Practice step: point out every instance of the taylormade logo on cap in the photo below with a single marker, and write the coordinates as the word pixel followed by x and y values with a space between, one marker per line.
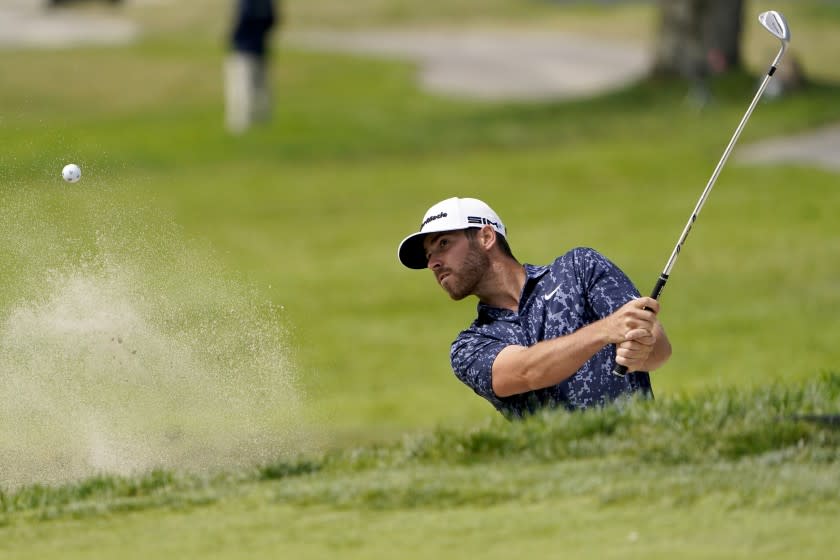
pixel 435 217
pixel 447 215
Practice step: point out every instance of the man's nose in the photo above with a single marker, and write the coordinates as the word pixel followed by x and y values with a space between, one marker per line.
pixel 434 262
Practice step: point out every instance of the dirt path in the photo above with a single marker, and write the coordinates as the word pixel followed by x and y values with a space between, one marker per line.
pixel 818 148
pixel 29 24
pixel 495 65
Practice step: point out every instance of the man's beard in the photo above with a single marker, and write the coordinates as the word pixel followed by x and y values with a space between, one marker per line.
pixel 464 282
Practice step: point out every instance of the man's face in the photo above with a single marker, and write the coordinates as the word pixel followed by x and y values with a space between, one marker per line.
pixel 457 262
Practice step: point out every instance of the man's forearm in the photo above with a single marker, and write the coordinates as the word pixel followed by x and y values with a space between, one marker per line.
pixel 519 369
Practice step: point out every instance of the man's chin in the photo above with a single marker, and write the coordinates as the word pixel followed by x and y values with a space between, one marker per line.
pixel 455 289
pixel 456 296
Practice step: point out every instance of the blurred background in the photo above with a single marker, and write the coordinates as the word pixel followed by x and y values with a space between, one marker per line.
pixel 232 242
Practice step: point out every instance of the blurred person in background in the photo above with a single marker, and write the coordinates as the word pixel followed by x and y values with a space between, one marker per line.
pixel 247 93
pixel 545 336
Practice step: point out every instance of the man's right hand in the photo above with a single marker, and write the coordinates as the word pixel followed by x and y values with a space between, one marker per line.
pixel 635 315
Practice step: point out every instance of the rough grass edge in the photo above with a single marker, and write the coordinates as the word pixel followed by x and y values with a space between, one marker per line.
pixel 793 424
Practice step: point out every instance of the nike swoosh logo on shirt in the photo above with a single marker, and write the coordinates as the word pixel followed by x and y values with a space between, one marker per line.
pixel 550 294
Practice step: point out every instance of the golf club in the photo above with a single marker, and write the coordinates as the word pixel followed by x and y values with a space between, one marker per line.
pixel 775 23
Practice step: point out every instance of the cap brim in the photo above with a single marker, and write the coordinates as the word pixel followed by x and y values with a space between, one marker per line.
pixel 411 252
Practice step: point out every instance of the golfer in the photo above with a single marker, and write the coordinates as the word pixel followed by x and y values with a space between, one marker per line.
pixel 545 336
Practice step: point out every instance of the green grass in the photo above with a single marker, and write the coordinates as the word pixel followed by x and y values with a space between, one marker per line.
pixel 718 458
pixel 267 263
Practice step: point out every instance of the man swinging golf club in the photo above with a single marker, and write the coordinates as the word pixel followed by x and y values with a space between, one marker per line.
pixel 545 336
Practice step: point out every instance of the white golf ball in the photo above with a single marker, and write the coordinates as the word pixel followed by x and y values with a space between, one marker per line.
pixel 71 173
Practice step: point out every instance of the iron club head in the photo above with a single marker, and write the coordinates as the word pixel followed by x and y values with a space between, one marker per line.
pixel 775 23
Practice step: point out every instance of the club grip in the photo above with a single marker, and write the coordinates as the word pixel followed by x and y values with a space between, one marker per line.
pixel 619 370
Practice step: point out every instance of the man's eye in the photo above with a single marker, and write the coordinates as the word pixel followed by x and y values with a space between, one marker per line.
pixel 443 243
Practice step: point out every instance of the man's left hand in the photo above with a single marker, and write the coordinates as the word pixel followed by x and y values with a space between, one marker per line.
pixel 635 350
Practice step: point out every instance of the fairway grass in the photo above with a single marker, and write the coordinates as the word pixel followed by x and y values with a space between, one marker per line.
pixel 255 526
pixel 308 213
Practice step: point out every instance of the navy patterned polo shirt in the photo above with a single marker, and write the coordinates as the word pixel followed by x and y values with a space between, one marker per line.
pixel 579 288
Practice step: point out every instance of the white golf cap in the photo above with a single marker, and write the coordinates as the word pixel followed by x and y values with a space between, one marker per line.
pixel 447 215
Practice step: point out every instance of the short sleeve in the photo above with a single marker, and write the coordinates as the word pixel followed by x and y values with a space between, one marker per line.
pixel 607 288
pixel 472 356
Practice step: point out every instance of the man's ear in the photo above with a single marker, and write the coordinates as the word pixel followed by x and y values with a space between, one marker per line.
pixel 487 237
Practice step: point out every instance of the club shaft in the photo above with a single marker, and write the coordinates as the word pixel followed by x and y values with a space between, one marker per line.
pixel 620 370
pixel 673 258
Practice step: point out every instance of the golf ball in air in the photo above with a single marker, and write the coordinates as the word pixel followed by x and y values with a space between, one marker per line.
pixel 71 173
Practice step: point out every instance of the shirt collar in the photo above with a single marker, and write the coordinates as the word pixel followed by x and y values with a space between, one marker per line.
pixel 532 274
